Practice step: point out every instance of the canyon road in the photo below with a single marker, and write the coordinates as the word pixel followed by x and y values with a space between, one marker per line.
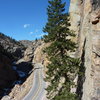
pixel 37 91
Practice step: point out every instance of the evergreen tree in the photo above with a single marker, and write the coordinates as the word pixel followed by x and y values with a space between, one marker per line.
pixel 61 64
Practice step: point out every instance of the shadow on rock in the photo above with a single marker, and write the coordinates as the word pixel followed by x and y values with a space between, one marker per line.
pixel 23 70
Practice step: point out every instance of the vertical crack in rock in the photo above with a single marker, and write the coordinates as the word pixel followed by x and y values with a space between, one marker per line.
pixel 88 31
pixel 81 74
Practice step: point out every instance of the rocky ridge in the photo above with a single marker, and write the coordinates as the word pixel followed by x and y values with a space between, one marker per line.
pixel 15 48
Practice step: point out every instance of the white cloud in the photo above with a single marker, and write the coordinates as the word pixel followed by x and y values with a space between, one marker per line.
pixel 26 25
pixel 31 33
pixel 36 30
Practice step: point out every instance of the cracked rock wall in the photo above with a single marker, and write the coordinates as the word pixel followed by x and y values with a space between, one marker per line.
pixel 85 21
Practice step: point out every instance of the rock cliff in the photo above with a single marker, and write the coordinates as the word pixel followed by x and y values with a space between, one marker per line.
pixel 85 21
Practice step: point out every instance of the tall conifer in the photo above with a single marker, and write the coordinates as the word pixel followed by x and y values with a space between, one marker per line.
pixel 61 63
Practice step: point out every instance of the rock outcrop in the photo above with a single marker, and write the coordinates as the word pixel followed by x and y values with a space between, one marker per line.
pixel 29 54
pixel 85 21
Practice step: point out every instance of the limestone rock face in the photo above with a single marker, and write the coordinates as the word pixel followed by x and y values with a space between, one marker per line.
pixel 87 14
pixel 75 15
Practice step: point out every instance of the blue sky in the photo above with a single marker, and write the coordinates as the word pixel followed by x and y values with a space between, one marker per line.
pixel 24 19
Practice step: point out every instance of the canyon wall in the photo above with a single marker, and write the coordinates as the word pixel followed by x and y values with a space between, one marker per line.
pixel 85 21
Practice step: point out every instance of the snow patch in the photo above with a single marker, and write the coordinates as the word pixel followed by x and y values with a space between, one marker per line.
pixel 14 68
pixel 21 74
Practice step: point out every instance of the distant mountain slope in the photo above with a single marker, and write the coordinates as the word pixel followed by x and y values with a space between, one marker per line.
pixel 26 43
pixel 12 46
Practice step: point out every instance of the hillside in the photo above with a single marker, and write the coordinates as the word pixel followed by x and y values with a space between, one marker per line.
pixel 10 51
pixel 12 46
pixel 7 74
pixel 16 68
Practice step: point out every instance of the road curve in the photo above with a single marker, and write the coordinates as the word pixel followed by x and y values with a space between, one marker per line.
pixel 37 91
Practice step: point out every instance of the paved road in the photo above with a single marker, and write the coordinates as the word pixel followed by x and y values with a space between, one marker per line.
pixel 37 91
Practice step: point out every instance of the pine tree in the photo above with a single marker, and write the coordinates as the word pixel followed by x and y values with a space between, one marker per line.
pixel 61 64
